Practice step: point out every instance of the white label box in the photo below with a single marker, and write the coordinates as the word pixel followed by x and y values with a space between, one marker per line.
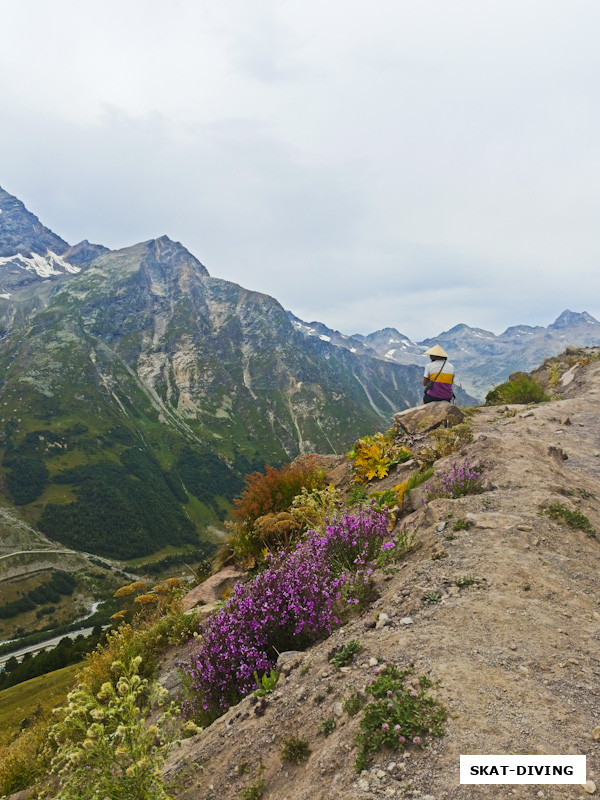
pixel 522 769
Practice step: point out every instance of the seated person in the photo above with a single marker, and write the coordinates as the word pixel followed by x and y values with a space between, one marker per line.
pixel 439 375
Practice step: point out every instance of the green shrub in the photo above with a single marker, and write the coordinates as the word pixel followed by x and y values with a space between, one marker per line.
pixel 255 791
pixel 345 655
pixel 466 580
pixel 397 717
pixel 554 375
pixel 520 388
pixel 327 726
pixel 461 525
pixel 295 750
pixel 267 683
pixel 103 746
pixel 572 519
pixel 354 703
pixel 357 495
pixel 313 508
pixel 417 478
pixel 405 542
pixel 447 440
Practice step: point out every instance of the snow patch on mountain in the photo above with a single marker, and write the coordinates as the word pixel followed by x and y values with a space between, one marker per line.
pixel 43 266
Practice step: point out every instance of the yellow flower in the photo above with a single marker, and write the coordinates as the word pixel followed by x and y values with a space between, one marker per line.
pixel 146 599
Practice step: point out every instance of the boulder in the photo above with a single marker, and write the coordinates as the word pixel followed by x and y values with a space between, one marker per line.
pixel 425 418
pixel 214 587
pixel 341 475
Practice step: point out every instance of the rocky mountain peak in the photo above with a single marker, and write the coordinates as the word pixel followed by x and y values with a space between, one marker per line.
pixel 29 252
pixel 391 334
pixel 569 319
pixel 84 253
pixel 173 255
pixel 22 233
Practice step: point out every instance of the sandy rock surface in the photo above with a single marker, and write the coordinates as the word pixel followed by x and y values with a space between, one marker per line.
pixel 517 652
pixel 213 588
pixel 425 418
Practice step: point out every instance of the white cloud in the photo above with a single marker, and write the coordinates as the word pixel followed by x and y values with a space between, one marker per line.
pixel 403 164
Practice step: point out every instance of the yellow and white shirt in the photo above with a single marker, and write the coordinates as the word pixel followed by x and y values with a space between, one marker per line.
pixel 442 383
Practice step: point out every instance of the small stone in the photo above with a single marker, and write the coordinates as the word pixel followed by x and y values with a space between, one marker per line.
pixel 589 787
pixel 288 660
pixel 540 794
pixel 596 733
pixel 407 621
pixel 338 709
pixel 392 766
pixel 380 774
pixel 526 414
pixel 524 528
pixel 373 662
pixel 441 526
pixel 512 647
pixel 595 615
pixel 390 792
pixel 363 784
pixel 382 620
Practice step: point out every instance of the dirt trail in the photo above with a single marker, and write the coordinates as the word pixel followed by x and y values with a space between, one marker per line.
pixel 517 653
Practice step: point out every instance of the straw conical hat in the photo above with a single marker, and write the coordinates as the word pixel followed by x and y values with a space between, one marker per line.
pixel 436 350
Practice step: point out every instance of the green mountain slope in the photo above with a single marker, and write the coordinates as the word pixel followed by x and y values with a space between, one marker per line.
pixel 134 402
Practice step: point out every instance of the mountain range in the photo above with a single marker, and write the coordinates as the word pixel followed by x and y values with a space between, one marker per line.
pixel 482 358
pixel 136 390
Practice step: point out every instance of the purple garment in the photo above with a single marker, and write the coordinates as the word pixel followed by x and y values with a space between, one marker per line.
pixel 440 391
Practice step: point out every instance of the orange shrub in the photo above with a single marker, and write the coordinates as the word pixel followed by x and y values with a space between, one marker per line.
pixel 274 491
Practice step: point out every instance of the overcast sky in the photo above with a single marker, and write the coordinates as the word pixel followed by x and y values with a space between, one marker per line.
pixel 369 164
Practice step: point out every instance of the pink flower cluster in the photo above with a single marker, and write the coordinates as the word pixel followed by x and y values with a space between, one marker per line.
pixel 459 481
pixel 289 605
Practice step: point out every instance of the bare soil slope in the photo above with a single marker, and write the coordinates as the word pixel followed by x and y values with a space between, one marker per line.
pixel 517 653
